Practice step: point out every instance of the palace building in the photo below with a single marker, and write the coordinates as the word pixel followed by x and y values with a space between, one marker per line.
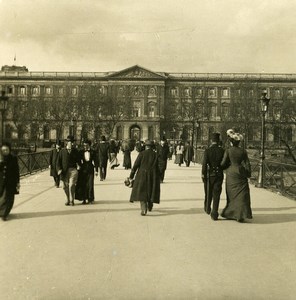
pixel 143 104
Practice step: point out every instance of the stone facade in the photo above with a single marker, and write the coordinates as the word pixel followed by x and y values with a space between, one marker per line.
pixel 177 105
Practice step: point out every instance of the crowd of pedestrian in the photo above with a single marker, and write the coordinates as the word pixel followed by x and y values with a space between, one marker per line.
pixel 77 169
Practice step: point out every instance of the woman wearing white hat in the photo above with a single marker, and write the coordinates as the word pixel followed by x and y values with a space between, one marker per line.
pixel 237 173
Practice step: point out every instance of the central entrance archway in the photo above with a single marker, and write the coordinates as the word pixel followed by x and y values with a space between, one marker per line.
pixel 135 132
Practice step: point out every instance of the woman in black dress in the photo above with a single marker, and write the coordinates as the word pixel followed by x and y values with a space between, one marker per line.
pixel 9 180
pixel 238 170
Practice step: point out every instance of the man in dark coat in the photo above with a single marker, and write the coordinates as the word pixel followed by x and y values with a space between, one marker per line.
pixel 9 180
pixel 103 156
pixel 146 187
pixel 89 168
pixel 68 165
pixel 53 158
pixel 212 176
pixel 188 153
pixel 163 152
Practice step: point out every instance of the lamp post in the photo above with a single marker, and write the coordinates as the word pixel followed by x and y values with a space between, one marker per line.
pixel 197 125
pixel 3 108
pixel 264 102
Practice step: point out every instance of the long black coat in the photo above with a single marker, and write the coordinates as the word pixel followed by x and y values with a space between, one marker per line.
pixel 213 157
pixel 163 152
pixel 9 175
pixel 103 154
pixel 53 158
pixel 85 182
pixel 147 181
pixel 63 160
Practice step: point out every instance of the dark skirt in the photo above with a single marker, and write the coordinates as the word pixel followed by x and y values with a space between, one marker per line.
pixel 179 159
pixel 127 162
pixel 238 205
pixel 6 203
pixel 85 187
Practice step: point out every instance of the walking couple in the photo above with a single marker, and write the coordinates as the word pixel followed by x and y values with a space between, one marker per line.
pixel 238 169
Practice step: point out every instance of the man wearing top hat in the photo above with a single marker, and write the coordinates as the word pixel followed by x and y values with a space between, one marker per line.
pixel 103 157
pixel 162 150
pixel 89 168
pixel 53 163
pixel 68 165
pixel 212 176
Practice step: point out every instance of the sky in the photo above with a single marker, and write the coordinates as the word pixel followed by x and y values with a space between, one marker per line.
pixel 161 35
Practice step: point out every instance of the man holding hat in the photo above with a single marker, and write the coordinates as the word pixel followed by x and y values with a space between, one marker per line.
pixel 212 176
pixel 68 165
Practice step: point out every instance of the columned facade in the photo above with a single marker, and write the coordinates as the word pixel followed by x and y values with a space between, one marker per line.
pixel 137 103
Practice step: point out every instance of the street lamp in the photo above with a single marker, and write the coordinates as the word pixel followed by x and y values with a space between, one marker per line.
pixel 197 125
pixel 3 108
pixel 264 102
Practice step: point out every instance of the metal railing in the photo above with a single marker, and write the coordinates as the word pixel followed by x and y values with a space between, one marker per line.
pixel 33 162
pixel 278 176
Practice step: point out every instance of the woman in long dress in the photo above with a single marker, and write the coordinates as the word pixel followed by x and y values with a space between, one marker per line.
pixel 126 149
pixel 179 159
pixel 9 180
pixel 238 170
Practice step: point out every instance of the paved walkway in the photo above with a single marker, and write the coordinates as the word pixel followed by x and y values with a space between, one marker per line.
pixel 108 251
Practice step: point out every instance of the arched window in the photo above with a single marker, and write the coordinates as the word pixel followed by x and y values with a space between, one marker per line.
pixel 151 110
pixel 174 92
pixel 212 92
pixel 48 90
pixel 35 91
pixel 74 91
pixel 23 90
pixel 277 112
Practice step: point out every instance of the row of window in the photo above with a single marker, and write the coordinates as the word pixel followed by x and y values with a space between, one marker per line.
pixel 225 92
pixel 187 92
pixel 48 90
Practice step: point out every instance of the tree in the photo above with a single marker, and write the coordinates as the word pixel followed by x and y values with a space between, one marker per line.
pixel 62 110
pixel 244 110
pixel 115 108
pixel 19 114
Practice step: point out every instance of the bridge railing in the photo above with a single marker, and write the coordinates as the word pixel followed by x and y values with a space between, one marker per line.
pixel 32 162
pixel 278 176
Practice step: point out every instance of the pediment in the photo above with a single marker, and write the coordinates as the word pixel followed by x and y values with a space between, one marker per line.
pixel 136 72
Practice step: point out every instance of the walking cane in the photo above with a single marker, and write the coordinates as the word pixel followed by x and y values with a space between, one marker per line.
pixel 208 188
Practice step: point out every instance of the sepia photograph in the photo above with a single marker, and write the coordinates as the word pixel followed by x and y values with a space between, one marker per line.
pixel 147 150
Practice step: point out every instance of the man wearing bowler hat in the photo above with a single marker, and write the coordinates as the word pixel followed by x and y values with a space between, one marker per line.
pixel 68 165
pixel 212 176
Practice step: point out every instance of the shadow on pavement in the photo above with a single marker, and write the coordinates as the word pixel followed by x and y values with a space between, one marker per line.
pixel 170 212
pixel 272 208
pixel 273 218
pixel 71 211
pixel 186 200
